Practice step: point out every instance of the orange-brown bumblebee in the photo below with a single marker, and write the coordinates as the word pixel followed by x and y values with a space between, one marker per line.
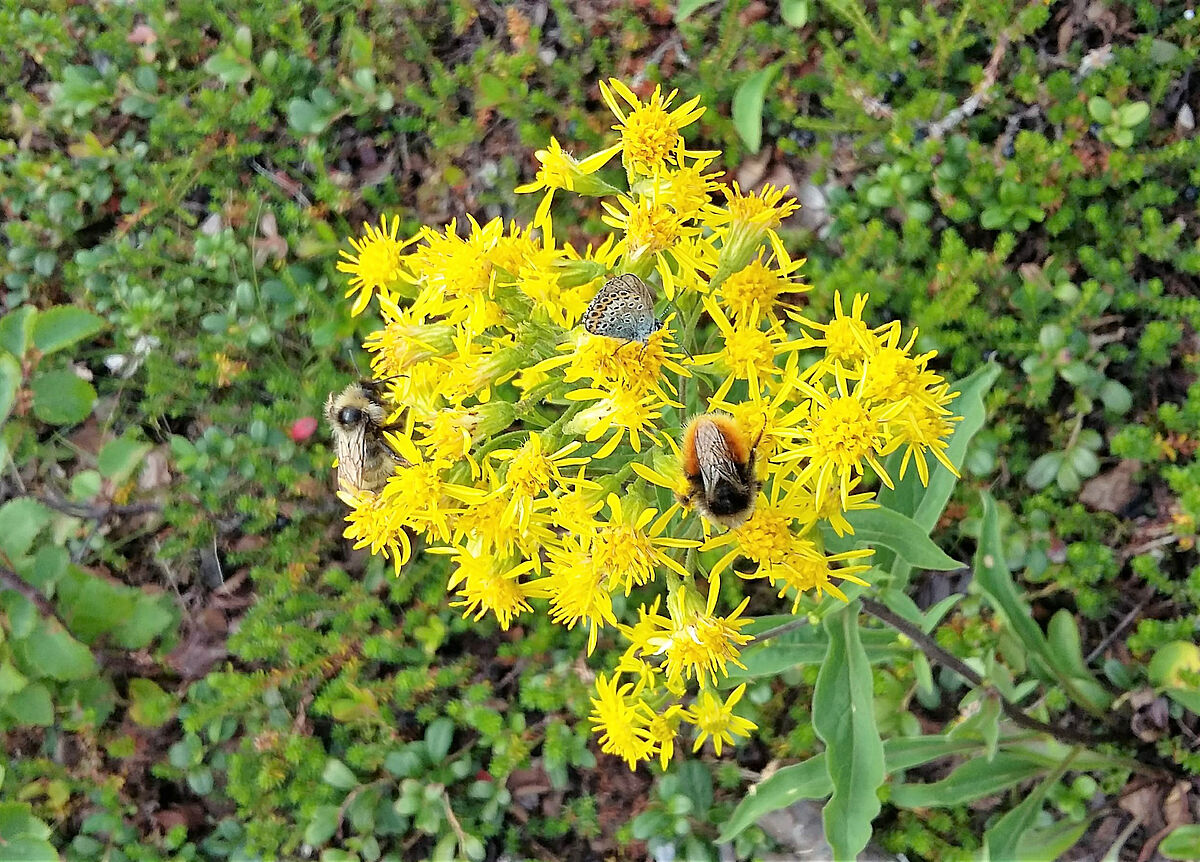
pixel 357 416
pixel 718 463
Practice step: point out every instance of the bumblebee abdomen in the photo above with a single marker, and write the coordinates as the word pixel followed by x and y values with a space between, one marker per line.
pixel 728 499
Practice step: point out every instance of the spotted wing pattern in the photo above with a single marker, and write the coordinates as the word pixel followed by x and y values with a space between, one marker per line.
pixel 623 308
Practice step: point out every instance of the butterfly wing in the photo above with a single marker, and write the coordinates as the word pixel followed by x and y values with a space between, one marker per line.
pixel 623 308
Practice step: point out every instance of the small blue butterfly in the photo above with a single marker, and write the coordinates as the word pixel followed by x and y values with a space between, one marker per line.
pixel 624 309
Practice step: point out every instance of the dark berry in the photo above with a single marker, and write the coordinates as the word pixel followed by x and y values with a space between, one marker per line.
pixel 914 46
pixel 920 135
pixel 1094 130
pixel 1009 150
pixel 1190 193
pixel 897 79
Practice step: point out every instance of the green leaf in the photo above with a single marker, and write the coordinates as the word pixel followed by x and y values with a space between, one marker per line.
pixel 152 615
pixel 1121 137
pixel 120 457
pixel 91 606
pixel 1048 843
pixel 808 645
pixel 10 382
pixel 20 522
pixel 794 12
pixel 890 529
pixel 974 779
pixel 993 577
pixel 228 66
pixel 17 821
pixel 1042 471
pixel 31 706
pixel 438 737
pixel 305 117
pixel 844 718
pixel 1163 52
pixel 1116 397
pixel 807 780
pixel 1005 838
pixel 1185 697
pixel 338 774
pixel 62 398
pixel 62 326
pixel 11 679
pixel 325 822
pixel 25 849
pixel 748 106
pixel 1100 109
pixel 50 563
pixel 906 752
pixel 49 650
pixel 686 7
pixel 1066 656
pixel 1132 113
pixel 810 779
pixel 15 328
pixel 149 705
pixel 1182 843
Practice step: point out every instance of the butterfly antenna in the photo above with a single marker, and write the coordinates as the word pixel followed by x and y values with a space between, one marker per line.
pixel 679 315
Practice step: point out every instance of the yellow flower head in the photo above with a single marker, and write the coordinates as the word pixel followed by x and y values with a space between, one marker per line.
pixel 487 584
pixel 628 550
pixel 618 718
pixel 649 132
pixel 715 718
pixel 755 290
pixel 377 264
pixel 577 589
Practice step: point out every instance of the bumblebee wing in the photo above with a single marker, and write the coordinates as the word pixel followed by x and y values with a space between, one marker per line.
pixel 716 462
pixel 351 455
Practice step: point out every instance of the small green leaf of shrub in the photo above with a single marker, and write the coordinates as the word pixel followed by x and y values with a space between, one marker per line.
pixel 62 398
pixel 15 330
pixel 686 8
pixel 50 651
pixel 149 705
pixel 31 706
pixel 10 382
pixel 338 774
pixel 1182 843
pixel 794 12
pixel 120 457
pixel 20 522
pixel 63 326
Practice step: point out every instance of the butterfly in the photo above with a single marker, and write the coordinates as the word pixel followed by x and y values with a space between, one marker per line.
pixel 623 308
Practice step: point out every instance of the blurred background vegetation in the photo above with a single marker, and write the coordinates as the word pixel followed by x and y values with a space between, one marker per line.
pixel 195 665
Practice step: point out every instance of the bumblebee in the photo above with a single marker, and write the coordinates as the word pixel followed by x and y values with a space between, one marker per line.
pixel 357 417
pixel 718 463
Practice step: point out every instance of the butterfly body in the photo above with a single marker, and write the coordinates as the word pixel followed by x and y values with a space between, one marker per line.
pixel 623 308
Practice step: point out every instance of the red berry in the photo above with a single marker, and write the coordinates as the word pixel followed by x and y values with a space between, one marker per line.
pixel 302 429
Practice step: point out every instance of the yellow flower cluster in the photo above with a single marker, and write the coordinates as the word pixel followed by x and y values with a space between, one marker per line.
pixel 546 460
